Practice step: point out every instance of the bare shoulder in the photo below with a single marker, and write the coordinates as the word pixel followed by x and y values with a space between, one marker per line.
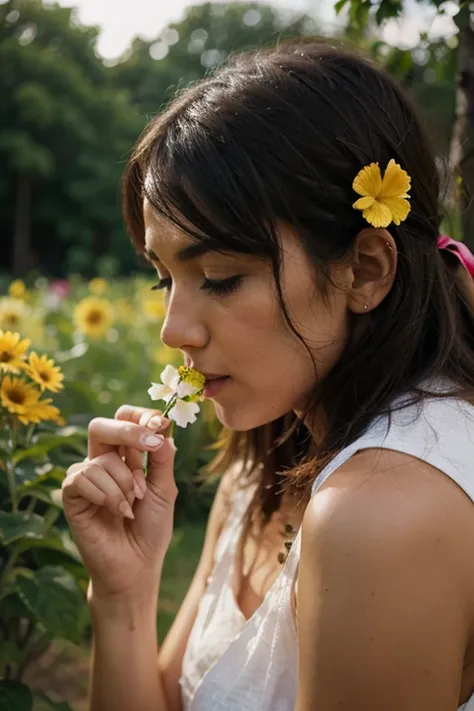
pixel 380 489
pixel 382 501
pixel 386 587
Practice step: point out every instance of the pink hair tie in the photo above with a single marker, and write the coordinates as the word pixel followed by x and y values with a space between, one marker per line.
pixel 459 249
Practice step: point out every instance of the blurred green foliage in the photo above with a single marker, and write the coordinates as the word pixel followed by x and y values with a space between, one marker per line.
pixel 448 65
pixel 68 119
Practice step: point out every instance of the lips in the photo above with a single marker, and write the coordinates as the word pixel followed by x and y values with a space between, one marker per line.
pixel 214 385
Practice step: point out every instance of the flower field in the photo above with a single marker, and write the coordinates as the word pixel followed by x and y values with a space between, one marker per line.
pixel 71 351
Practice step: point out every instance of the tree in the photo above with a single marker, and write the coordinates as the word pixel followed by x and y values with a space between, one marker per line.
pixel 183 52
pixel 65 129
pixel 461 152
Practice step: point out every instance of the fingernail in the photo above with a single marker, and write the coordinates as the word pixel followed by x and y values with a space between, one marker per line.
pixel 156 422
pixel 153 440
pixel 138 492
pixel 126 510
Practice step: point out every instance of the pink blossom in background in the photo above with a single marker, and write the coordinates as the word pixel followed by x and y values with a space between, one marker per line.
pixel 60 288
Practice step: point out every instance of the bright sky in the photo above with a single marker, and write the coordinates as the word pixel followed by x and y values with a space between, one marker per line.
pixel 121 20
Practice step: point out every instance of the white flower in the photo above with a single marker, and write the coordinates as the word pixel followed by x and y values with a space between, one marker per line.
pixel 177 389
pixel 171 386
pixel 184 413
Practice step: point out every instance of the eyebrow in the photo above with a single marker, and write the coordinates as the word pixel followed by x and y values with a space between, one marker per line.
pixel 186 254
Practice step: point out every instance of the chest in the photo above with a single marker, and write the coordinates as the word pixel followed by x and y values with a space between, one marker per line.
pixel 259 561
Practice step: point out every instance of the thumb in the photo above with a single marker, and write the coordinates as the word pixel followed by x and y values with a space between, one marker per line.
pixel 160 469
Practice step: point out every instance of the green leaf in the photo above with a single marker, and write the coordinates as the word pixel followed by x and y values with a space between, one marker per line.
pixel 54 597
pixel 25 473
pixel 46 443
pixel 9 654
pixel 38 492
pixel 387 10
pixel 462 19
pixel 14 526
pixel 53 542
pixel 15 696
pixel 45 556
pixel 340 5
pixel 52 478
pixel 12 607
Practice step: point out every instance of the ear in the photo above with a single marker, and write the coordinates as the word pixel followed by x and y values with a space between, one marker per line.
pixel 374 265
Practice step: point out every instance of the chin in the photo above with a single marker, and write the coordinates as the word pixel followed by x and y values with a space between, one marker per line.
pixel 245 419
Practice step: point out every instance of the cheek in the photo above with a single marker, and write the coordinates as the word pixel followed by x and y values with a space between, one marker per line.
pixel 273 370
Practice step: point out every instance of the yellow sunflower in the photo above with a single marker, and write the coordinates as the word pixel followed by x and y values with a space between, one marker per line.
pixel 12 352
pixel 12 313
pixel 384 200
pixel 154 309
pixel 17 396
pixel 98 286
pixel 39 411
pixel 93 316
pixel 45 372
pixel 17 289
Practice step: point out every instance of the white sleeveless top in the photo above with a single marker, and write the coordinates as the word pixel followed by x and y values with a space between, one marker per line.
pixel 232 664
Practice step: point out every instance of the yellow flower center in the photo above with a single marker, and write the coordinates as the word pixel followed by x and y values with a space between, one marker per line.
pixel 16 395
pixel 191 376
pixel 11 319
pixel 5 357
pixel 95 317
pixel 44 375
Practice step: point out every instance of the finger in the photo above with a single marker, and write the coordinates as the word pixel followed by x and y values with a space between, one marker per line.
pixel 144 416
pixel 133 459
pixel 160 471
pixel 115 500
pixel 75 468
pixel 153 420
pixel 105 435
pixel 119 472
pixel 77 486
pixel 140 486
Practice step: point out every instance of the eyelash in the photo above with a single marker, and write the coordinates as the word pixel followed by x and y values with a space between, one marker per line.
pixel 217 287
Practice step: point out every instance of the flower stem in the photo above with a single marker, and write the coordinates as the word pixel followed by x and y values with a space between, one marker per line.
pixel 9 466
pixel 170 405
pixel 31 505
pixel 11 485
pixel 9 565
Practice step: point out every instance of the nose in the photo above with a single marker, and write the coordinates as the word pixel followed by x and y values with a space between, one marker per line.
pixel 183 327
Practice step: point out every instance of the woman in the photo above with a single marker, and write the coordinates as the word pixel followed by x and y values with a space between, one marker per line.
pixel 289 204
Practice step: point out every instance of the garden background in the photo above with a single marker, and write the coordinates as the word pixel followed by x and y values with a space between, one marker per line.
pixel 71 284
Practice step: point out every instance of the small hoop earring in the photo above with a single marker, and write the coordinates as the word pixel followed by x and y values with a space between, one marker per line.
pixel 389 246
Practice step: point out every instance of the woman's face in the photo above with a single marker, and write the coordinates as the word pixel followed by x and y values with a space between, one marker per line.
pixel 224 314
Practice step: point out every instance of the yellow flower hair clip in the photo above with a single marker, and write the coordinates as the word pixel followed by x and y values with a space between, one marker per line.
pixel 384 200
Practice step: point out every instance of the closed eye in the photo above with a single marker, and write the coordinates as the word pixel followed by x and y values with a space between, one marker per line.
pixel 162 284
pixel 219 287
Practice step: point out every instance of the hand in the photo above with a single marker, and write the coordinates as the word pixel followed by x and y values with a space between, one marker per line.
pixel 122 522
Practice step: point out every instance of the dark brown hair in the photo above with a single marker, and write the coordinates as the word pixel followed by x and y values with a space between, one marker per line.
pixel 279 135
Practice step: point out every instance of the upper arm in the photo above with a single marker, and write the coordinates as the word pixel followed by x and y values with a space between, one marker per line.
pixel 172 650
pixel 382 611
